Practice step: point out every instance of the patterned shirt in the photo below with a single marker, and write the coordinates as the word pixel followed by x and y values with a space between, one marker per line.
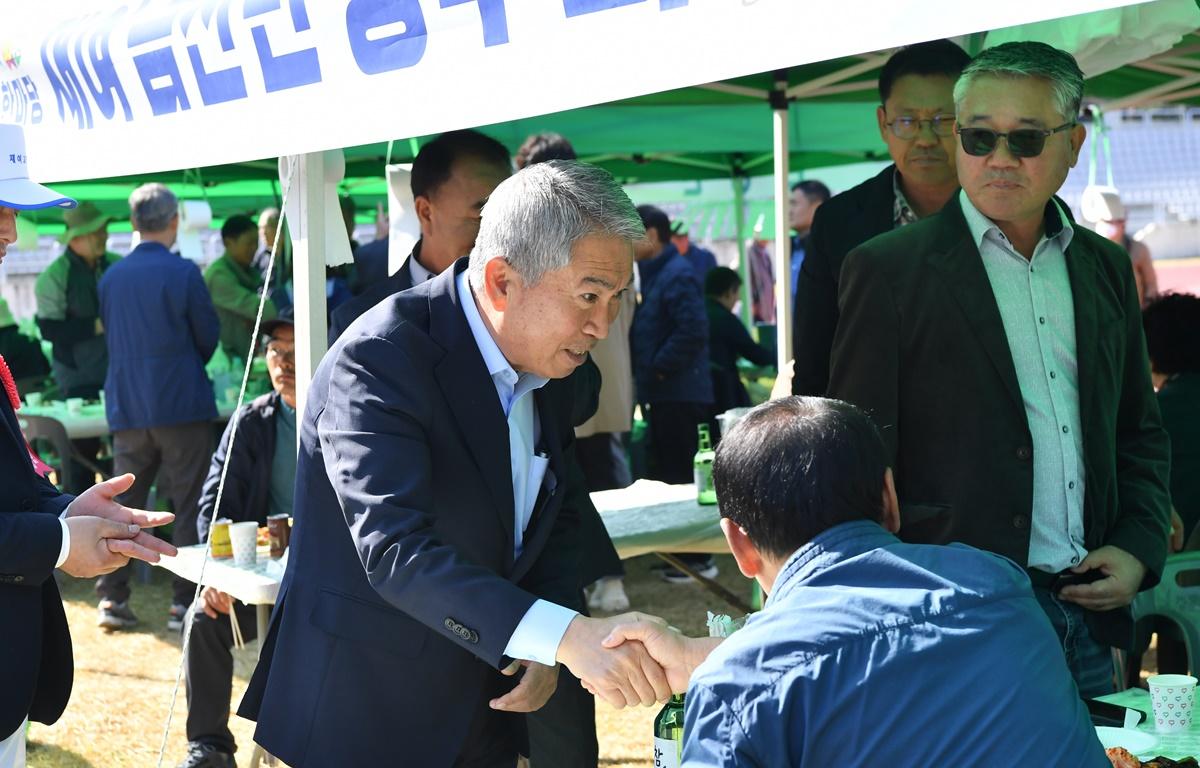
pixel 1038 311
pixel 902 212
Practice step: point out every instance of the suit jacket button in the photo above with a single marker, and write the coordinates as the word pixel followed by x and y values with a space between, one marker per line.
pixel 1020 522
pixel 1023 453
pixel 18 579
pixel 451 625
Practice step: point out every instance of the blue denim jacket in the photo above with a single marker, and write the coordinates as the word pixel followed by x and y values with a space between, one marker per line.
pixel 161 329
pixel 875 652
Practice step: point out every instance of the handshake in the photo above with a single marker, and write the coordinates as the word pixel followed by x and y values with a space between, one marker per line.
pixel 105 534
pixel 627 660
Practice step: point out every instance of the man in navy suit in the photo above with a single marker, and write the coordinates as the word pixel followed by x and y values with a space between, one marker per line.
pixel 42 529
pixel 434 544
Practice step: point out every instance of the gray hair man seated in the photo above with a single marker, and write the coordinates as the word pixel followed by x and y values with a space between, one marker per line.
pixel 869 651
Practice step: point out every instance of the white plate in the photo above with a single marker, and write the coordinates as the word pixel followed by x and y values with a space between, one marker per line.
pixel 1137 742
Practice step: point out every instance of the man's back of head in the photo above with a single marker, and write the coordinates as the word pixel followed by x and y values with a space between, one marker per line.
pixel 869 650
pixel 153 210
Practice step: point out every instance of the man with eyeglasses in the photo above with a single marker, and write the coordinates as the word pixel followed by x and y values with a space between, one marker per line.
pixel 916 121
pixel 260 482
pixel 1000 350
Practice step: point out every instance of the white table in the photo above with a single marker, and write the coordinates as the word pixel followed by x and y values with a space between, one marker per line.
pixel 649 516
pixel 1173 745
pixel 91 421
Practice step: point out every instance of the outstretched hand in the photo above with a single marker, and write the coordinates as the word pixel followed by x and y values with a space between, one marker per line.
pixel 100 501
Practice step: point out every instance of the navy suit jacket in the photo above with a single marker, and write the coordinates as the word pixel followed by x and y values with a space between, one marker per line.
pixel 401 591
pixel 373 293
pixel 35 645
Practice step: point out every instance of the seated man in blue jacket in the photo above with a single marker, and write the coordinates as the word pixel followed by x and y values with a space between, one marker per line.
pixel 869 650
pixel 260 482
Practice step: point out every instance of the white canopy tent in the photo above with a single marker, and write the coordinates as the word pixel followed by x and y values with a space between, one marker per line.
pixel 134 87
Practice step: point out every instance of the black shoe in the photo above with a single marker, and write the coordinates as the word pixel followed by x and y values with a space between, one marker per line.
pixel 706 568
pixel 206 756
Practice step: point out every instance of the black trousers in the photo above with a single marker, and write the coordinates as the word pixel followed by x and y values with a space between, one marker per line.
pixel 673 441
pixel 178 457
pixel 562 734
pixel 604 462
pixel 209 675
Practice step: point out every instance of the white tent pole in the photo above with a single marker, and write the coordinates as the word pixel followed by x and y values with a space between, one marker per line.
pixel 309 272
pixel 739 228
pixel 783 241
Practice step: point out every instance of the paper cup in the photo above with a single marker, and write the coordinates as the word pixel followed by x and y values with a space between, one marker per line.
pixel 244 537
pixel 1172 698
pixel 33 399
pixel 75 405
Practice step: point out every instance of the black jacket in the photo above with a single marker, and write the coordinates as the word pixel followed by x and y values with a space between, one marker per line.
pixel 247 493
pixel 729 340
pixel 36 668
pixel 920 344
pixel 372 294
pixel 840 224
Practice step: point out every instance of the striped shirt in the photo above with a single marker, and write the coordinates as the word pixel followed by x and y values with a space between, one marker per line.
pixel 1037 308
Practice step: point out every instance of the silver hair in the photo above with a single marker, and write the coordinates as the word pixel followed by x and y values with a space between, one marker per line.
pixel 1028 59
pixel 535 217
pixel 151 207
pixel 268 217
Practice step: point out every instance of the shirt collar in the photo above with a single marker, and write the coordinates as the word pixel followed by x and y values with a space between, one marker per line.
pixel 902 212
pixel 509 384
pixel 419 273
pixel 1057 224
pixel 827 549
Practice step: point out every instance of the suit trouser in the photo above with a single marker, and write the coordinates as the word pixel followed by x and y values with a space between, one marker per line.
pixel 178 456
pixel 563 732
pixel 602 458
pixel 209 674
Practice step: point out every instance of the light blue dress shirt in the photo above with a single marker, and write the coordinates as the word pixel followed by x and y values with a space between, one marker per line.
pixel 541 629
pixel 1038 311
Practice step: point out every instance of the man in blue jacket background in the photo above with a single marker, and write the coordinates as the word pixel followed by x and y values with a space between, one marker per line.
pixel 161 329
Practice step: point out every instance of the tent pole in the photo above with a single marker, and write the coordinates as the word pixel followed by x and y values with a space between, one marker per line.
pixel 739 227
pixel 308 267
pixel 783 241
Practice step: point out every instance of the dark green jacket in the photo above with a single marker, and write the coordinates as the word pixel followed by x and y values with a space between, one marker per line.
pixel 921 345
pixel 68 305
pixel 235 292
pixel 1179 400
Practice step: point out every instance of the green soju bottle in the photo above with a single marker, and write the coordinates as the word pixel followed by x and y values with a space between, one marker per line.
pixel 702 468
pixel 668 734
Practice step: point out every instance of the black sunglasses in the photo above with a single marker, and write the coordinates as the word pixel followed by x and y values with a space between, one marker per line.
pixel 1023 142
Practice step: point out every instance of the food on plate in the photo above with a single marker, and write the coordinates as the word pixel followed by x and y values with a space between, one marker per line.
pixel 264 536
pixel 1121 758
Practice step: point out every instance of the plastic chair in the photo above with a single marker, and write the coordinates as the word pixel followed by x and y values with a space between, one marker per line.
pixel 1179 603
pixel 52 431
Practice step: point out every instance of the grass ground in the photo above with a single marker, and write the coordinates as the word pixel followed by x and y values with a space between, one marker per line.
pixel 124 681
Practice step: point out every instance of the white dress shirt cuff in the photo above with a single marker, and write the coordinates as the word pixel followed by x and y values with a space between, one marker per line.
pixel 539 633
pixel 65 549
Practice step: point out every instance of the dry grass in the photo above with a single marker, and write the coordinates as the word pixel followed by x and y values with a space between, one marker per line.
pixel 123 681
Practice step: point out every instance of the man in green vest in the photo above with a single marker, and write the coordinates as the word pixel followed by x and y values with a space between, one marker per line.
pixel 235 286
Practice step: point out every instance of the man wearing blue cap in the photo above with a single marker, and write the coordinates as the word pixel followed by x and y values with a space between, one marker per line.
pixel 42 529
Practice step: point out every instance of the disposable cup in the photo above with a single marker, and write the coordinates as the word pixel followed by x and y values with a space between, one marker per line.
pixel 221 546
pixel 33 399
pixel 1172 698
pixel 244 537
pixel 74 405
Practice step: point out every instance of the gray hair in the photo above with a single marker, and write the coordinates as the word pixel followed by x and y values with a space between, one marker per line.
pixel 151 207
pixel 535 217
pixel 1028 59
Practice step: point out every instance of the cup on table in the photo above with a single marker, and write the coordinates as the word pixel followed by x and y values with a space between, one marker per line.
pixel 74 405
pixel 1172 698
pixel 220 544
pixel 33 399
pixel 244 537
pixel 102 397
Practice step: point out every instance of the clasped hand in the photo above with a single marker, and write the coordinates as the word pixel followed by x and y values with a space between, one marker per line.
pixel 624 674
pixel 105 534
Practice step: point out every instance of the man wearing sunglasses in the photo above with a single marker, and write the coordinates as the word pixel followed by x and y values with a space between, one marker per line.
pixel 999 349
pixel 916 121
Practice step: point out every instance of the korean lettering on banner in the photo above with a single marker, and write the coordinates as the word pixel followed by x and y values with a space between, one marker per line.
pixel 184 54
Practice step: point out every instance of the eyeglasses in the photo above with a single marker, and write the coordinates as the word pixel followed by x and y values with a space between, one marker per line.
pixel 1023 142
pixel 283 354
pixel 908 127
